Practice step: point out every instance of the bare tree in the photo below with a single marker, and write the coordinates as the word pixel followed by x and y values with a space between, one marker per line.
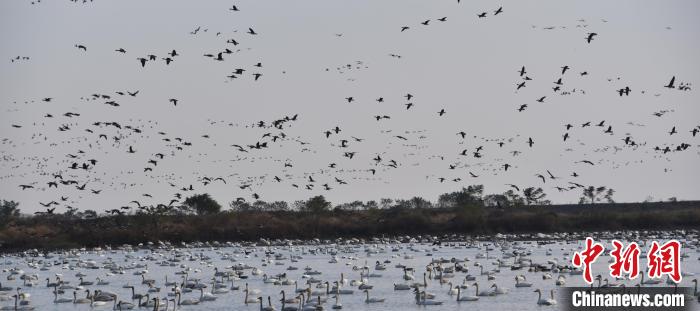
pixel 534 195
pixel 593 194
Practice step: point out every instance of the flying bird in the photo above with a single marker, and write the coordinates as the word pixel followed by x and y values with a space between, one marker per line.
pixel 590 36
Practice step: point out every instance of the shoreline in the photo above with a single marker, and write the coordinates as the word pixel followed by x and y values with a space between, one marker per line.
pixel 65 232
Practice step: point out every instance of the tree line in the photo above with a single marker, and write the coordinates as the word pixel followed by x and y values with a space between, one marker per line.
pixel 467 211
pixel 204 204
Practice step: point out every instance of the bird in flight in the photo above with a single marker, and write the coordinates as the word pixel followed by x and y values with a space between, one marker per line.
pixel 542 177
pixel 590 36
pixel 498 11
pixel 173 100
pixel 670 83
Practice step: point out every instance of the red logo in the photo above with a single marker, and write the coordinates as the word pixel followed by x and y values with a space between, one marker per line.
pixel 626 260
pixel 665 260
pixel 587 257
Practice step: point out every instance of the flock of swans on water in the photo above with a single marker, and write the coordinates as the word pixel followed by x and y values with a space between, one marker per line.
pixel 431 281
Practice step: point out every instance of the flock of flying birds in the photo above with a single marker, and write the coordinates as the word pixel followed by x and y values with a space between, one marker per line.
pixel 78 174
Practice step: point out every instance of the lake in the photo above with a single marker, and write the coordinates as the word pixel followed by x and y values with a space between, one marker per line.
pixel 319 263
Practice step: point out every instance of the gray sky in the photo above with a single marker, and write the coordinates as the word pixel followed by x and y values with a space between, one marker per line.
pixel 465 65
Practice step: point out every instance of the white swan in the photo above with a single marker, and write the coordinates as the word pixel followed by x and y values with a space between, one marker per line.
pixel 247 299
pixel 124 305
pixel 186 302
pixel 561 280
pixel 252 291
pixel 482 293
pixel 401 286
pixel 406 276
pixel 544 302
pixel 60 300
pixel 79 300
pixel 286 300
pixel 206 296
pixel 465 298
pixel 336 289
pixel 422 301
pixel 499 290
pixel 269 307
pixel 372 299
pixel 94 303
pixel 453 290
pixel 337 305
pixel 520 281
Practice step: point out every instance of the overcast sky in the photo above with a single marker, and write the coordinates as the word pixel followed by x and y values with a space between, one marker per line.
pixel 466 65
